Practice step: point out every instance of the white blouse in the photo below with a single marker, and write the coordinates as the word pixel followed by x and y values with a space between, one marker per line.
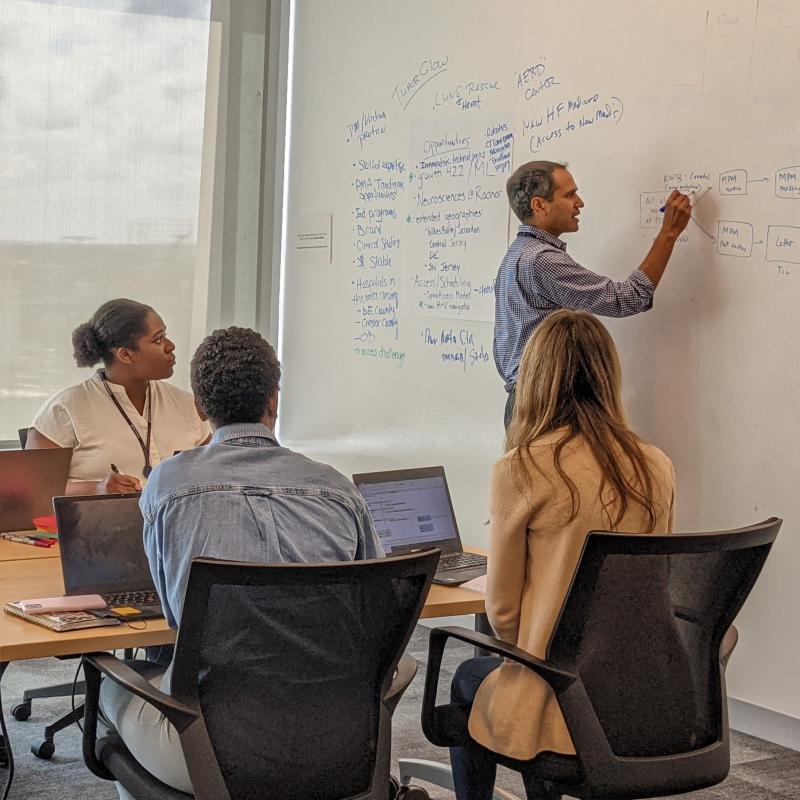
pixel 86 419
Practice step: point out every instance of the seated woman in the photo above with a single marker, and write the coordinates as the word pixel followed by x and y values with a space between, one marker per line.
pixel 125 419
pixel 572 465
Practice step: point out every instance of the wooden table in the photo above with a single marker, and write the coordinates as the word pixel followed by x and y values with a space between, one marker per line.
pixel 41 577
pixel 34 574
pixel 14 551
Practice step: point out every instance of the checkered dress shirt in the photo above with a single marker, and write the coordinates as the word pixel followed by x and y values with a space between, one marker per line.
pixel 536 278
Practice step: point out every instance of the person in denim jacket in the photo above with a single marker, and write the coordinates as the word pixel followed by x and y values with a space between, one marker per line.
pixel 241 497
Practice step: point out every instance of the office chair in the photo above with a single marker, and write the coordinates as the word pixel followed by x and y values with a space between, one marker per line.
pixel 283 681
pixel 45 747
pixel 637 664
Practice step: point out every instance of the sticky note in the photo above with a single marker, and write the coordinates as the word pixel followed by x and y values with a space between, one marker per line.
pixel 125 611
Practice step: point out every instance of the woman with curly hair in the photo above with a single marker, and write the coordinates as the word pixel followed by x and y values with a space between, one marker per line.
pixel 572 465
pixel 125 419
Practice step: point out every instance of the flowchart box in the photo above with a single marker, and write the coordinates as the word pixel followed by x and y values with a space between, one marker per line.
pixel 733 182
pixel 650 205
pixel 783 243
pixel 787 183
pixel 734 238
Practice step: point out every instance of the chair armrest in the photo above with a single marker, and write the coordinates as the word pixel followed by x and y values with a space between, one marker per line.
pixel 95 665
pixel 555 676
pixel 558 678
pixel 91 707
pixel 404 674
pixel 177 713
pixel 195 743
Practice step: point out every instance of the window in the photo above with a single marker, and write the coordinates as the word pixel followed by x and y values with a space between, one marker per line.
pixel 101 134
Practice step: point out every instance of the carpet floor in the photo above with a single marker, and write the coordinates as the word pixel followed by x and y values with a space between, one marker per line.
pixel 760 770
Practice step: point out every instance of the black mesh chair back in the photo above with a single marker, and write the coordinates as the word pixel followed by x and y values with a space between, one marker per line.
pixel 642 627
pixel 288 665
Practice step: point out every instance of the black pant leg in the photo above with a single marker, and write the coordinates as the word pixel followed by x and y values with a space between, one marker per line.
pixel 474 767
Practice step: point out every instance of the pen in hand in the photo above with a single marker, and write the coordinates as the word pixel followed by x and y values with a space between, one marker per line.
pixel 693 195
pixel 127 482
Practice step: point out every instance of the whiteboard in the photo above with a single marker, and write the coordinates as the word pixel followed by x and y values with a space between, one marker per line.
pixel 406 120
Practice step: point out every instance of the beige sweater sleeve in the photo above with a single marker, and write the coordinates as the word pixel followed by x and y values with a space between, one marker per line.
pixel 508 552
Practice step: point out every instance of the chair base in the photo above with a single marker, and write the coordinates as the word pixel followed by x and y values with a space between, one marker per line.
pixel 58 690
pixel 46 748
pixel 22 711
pixel 437 774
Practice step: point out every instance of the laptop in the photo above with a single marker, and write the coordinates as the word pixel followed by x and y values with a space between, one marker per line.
pixel 412 510
pixel 29 480
pixel 102 552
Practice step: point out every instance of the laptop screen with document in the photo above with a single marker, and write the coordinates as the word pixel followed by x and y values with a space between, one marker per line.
pixel 411 509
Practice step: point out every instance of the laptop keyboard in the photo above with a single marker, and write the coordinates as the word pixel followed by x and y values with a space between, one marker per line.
pixel 452 561
pixel 144 598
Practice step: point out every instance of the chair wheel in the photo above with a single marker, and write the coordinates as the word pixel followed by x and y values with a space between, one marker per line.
pixel 43 748
pixel 412 793
pixel 21 712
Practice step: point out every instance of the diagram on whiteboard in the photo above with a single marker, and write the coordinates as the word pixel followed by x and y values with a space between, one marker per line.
pixel 732 236
pixel 427 143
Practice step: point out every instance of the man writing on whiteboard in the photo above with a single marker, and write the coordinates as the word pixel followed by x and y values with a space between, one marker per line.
pixel 537 277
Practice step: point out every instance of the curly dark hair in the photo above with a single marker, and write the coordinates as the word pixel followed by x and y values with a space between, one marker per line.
pixel 534 179
pixel 234 372
pixel 117 323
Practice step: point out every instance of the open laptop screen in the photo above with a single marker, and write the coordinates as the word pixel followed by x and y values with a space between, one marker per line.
pixel 411 509
pixel 101 544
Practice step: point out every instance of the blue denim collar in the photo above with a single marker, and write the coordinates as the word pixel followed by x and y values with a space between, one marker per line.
pixel 244 430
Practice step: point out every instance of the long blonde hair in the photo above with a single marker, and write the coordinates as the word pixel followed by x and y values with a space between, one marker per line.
pixel 569 377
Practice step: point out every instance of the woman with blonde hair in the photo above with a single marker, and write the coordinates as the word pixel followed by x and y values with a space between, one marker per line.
pixel 572 465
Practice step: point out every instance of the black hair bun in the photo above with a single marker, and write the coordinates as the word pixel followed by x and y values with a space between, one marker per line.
pixel 87 350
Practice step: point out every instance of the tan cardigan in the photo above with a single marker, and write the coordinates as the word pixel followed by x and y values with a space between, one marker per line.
pixel 533 553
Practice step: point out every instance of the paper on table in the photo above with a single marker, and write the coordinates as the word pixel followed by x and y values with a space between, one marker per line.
pixel 476 584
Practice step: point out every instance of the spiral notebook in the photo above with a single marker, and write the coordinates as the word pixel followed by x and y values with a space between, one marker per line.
pixel 65 621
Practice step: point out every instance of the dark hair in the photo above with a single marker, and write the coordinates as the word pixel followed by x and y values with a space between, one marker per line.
pixel 117 323
pixel 234 372
pixel 534 179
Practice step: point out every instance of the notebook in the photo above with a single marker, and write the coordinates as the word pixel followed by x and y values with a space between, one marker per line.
pixel 29 480
pixel 412 510
pixel 64 621
pixel 102 552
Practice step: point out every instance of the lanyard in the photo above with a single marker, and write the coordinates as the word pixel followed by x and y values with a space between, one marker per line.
pixel 145 446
